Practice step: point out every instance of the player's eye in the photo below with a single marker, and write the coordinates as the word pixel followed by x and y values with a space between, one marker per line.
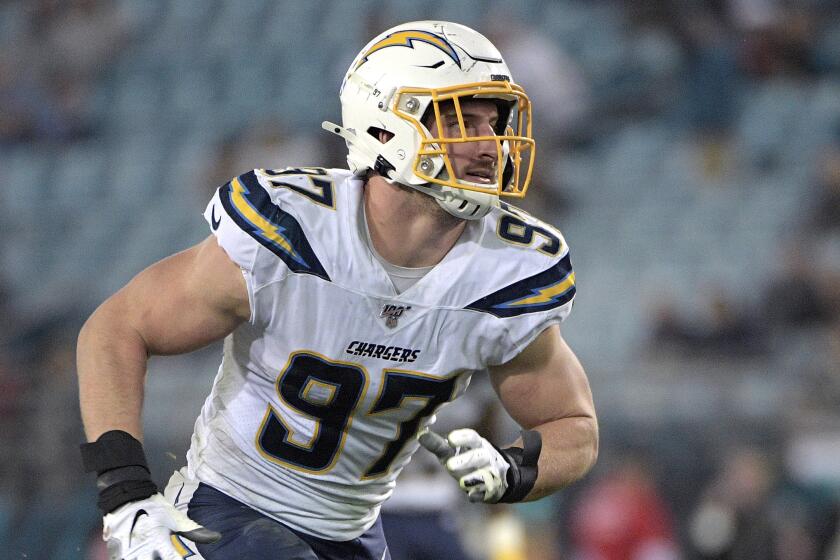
pixel 451 126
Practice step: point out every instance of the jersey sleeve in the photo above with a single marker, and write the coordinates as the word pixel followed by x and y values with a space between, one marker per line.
pixel 260 234
pixel 239 246
pixel 527 307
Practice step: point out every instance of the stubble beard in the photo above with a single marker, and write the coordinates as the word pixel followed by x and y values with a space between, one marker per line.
pixel 423 203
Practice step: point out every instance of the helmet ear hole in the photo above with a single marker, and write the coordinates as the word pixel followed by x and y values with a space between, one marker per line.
pixel 380 134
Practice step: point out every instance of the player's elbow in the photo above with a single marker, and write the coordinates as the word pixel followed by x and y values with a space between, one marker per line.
pixel 103 319
pixel 571 449
pixel 106 332
pixel 88 332
pixel 590 445
pixel 583 452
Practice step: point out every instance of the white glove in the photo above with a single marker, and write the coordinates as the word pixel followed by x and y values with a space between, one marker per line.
pixel 479 468
pixel 143 530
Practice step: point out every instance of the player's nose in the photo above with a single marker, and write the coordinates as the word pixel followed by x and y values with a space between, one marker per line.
pixel 487 148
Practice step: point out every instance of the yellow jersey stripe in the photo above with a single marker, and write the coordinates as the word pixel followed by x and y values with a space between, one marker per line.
pixel 548 293
pixel 266 228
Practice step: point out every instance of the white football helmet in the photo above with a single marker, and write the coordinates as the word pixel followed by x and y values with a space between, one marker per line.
pixel 406 73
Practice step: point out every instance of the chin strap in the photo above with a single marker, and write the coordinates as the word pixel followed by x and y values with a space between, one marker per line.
pixel 466 205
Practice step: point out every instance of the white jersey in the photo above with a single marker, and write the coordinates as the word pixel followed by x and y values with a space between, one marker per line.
pixel 318 398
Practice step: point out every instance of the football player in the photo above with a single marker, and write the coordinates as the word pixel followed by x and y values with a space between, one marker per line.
pixel 353 304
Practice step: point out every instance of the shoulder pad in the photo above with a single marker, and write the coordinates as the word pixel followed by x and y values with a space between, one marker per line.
pixel 249 204
pixel 315 183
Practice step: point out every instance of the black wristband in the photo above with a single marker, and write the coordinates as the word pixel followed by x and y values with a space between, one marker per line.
pixel 122 472
pixel 523 470
pixel 113 450
pixel 123 492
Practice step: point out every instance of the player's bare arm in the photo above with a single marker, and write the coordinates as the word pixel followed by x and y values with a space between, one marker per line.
pixel 177 305
pixel 545 389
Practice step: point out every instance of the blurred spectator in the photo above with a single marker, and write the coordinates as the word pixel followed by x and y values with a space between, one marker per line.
pixel 48 76
pixel 56 442
pixel 265 143
pixel 731 331
pixel 796 296
pixel 622 516
pixel 507 537
pixel 270 143
pixel 833 350
pixel 711 84
pixel 18 121
pixel 805 519
pixel 711 71
pixel 34 108
pixel 558 90
pixel 654 64
pixel 554 82
pixel 778 40
pixel 825 214
pixel 422 520
pixel 733 519
pixel 723 331
pixel 749 15
pixel 12 431
pixel 78 37
pixel 755 509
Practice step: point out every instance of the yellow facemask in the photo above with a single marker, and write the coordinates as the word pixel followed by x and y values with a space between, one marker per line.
pixel 515 149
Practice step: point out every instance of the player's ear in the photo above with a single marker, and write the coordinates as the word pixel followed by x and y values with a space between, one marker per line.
pixel 380 134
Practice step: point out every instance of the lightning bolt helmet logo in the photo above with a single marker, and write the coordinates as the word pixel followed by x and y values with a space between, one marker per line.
pixel 407 38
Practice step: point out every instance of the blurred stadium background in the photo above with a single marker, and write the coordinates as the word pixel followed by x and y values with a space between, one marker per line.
pixel 689 150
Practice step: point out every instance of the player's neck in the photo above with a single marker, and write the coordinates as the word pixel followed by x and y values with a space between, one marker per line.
pixel 408 228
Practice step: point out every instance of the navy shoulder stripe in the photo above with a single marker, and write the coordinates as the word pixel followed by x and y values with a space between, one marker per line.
pixel 250 206
pixel 549 289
